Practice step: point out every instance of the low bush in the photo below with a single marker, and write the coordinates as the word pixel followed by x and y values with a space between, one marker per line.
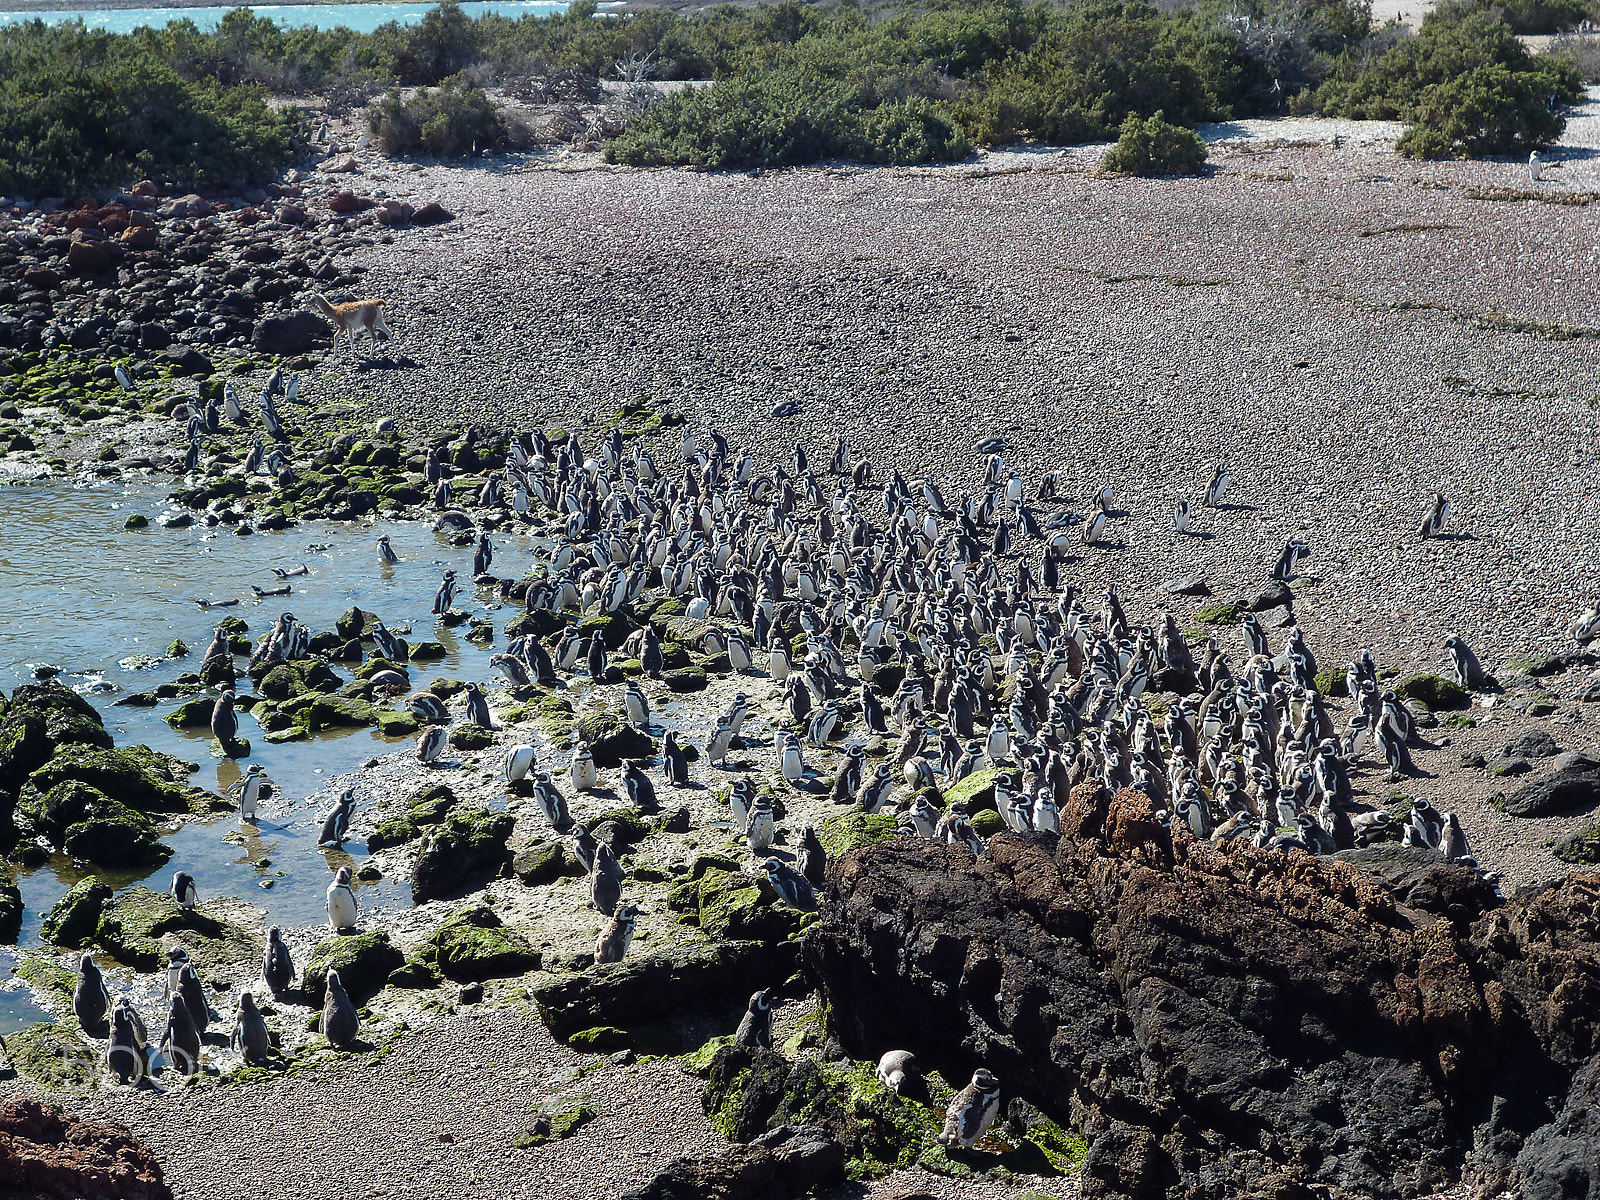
pixel 454 120
pixel 1155 146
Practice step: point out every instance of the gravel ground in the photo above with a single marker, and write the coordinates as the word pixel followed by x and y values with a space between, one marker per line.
pixel 1351 330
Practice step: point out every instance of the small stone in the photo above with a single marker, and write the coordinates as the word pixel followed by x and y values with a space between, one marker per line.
pixel 470 993
pixel 1535 743
pixel 1502 768
pixel 1195 585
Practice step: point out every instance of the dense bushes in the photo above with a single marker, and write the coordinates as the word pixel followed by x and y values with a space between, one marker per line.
pixel 81 110
pixel 1466 84
pixel 1155 146
pixel 453 120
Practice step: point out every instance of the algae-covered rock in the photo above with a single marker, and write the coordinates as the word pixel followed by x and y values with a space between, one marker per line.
pixel 685 679
pixel 1219 614
pixel 352 622
pixel 1581 848
pixel 134 776
pixel 1435 691
pixel 474 944
pixel 738 907
pixel 316 711
pixel 847 831
pixel 471 737
pixel 53 1056
pixel 558 1125
pixel 431 806
pixel 467 843
pixel 74 920
pixel 611 739
pixel 986 822
pixel 396 831
pixel 619 827
pixel 543 862
pixel 38 720
pixel 192 714
pixel 281 682
pixel 397 723
pixel 140 926
pixel 1332 683
pixel 975 791
pixel 427 651
pixel 364 962
pixel 91 826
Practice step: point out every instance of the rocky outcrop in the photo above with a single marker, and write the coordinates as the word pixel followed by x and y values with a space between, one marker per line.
pixel 1573 785
pixel 47 1155
pixel 784 1164
pixel 1220 1021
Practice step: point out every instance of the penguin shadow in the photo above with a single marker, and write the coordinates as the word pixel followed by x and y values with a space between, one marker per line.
pixel 1200 535
pixel 1234 506
pixel 386 363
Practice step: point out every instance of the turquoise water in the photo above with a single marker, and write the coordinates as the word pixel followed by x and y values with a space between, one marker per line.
pixel 363 18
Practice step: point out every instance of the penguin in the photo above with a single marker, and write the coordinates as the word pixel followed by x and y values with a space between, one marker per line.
pixel 755 1028
pixel 585 775
pixel 1217 486
pixel 340 1021
pixel 1182 517
pixel 874 792
pixel 552 802
pixel 277 966
pixel 519 761
pixel 1584 627
pixel 224 721
pixel 478 707
pixel 183 890
pixel 641 792
pixel 790 760
pixel 1293 551
pixel 90 1000
pixel 741 799
pixel 446 593
pixel 674 763
pixel 1535 166
pixel 847 780
pixel 636 705
pixel 126 1054
pixel 792 888
pixel 1464 663
pixel 1093 528
pixel 249 792
pixel 720 743
pixel 337 823
pixel 425 706
pixel 971 1111
pixel 386 551
pixel 896 1068
pixel 595 660
pixel 343 911
pixel 605 881
pixel 612 944
pixel 759 826
pixel 194 995
pixel 431 745
pixel 249 1036
pixel 180 1039
pixel 1453 840
pixel 812 858
pixel 177 959
pixel 1433 520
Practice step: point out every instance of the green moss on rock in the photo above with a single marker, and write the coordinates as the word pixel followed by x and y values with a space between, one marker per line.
pixel 74 920
pixel 364 962
pixel 1219 614
pixel 140 926
pixel 474 944
pixel 847 831
pixel 976 791
pixel 53 1056
pixel 1435 691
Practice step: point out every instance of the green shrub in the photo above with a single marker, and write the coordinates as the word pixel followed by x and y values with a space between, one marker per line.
pixel 1464 82
pixel 453 120
pixel 1155 146
pixel 1540 16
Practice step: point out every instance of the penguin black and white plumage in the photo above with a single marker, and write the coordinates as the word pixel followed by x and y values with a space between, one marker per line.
pixel 1464 663
pixel 90 1000
pixel 343 911
pixel 126 1054
pixel 847 779
pixel 971 1111
pixel 386 551
pixel 177 959
pixel 224 720
pixel 613 942
pixel 595 661
pixel 277 965
pixel 477 707
pixel 792 888
pixel 605 881
pixel 180 1039
pixel 1218 485
pixel 184 891
pixel 431 745
pixel 1453 839
pixel 812 859
pixel 674 763
pixel 584 774
pixel 249 792
pixel 447 591
pixel 194 995
pixel 636 705
pixel 759 825
pixel 336 825
pixel 249 1035
pixel 1585 627
pixel 1293 551
pixel 551 802
pixel 425 706
pixel 755 1028
pixel 519 761
pixel 641 792
pixel 875 791
pixel 1433 520
pixel 1182 516
pixel 340 1020
pixel 896 1068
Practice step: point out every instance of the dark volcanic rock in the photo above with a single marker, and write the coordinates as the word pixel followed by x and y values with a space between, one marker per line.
pixel 292 333
pixel 467 843
pixel 1573 785
pixel 46 1154
pixel 785 1164
pixel 1225 1021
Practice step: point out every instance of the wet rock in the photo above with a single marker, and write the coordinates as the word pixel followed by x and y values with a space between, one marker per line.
pixel 786 1164
pixel 433 805
pixel 1534 743
pixel 730 905
pixel 685 679
pixel 612 740
pixel 543 862
pixel 193 714
pixel 396 831
pixel 352 622
pixel 140 926
pixel 471 737
pixel 46 1153
pixel 468 843
pixel 653 987
pixel 364 962
pixel 10 912
pixel 80 789
pixel 38 720
pixel 1173 999
pixel 74 920
pixel 291 333
pixel 474 944
pixel 1573 785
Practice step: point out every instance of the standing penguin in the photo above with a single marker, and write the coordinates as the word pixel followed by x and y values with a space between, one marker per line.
pixel 614 940
pixel 90 1001
pixel 343 911
pixel 755 1028
pixel 1433 520
pixel 813 859
pixel 249 790
pixel 250 1031
pixel 337 823
pixel 431 744
pixel 194 995
pixel 971 1111
pixel 605 881
pixel 1217 486
pixel 277 966
pixel 180 1039
pixel 759 827
pixel 224 721
pixel 340 1021
pixel 1464 663
pixel 519 761
pixel 183 890
pixel 585 775
pixel 637 705
pixel 641 792
pixel 126 1053
pixel 674 763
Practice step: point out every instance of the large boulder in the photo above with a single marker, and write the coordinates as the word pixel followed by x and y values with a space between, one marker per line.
pixel 788 1163
pixel 466 844
pixel 39 719
pixel 364 962
pixel 291 333
pixel 1220 1020
pixel 1573 785
pixel 474 944
pixel 44 1153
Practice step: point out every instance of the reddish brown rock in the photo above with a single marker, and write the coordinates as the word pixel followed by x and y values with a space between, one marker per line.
pixel 349 202
pixel 87 258
pixel 1222 1021
pixel 432 213
pixel 140 237
pixel 47 1155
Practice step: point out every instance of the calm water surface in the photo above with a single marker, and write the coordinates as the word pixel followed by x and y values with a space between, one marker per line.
pixel 80 592
pixel 363 18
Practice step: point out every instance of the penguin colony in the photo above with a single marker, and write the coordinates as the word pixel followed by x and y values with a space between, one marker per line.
pixel 998 666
